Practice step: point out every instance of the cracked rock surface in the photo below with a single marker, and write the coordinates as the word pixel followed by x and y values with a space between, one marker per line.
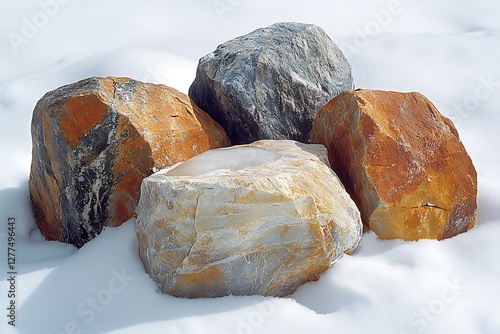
pixel 263 226
pixel 270 83
pixel 93 143
pixel 402 162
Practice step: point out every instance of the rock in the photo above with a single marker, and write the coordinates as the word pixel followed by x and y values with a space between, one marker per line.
pixel 270 83
pixel 262 225
pixel 402 162
pixel 93 143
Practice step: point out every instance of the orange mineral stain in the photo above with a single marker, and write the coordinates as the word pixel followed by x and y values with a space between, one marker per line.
pixel 81 113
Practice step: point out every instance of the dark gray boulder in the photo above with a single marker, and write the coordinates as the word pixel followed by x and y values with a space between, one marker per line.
pixel 270 83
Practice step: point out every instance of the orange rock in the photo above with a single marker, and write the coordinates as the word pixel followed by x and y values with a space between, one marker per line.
pixel 95 140
pixel 402 162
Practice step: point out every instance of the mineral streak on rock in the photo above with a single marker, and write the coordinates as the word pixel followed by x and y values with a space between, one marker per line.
pixel 270 83
pixel 93 143
pixel 402 162
pixel 264 225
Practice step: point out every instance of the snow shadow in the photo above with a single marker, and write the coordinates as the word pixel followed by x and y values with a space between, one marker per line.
pixel 333 295
pixel 32 250
pixel 16 203
pixel 103 287
pixel 488 209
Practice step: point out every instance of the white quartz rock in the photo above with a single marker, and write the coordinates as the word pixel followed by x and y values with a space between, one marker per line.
pixel 262 218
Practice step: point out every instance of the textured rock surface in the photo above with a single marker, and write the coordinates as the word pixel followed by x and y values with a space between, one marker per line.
pixel 93 143
pixel 402 161
pixel 261 226
pixel 270 83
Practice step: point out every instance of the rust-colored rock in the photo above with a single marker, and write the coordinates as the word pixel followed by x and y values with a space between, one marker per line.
pixel 402 162
pixel 93 143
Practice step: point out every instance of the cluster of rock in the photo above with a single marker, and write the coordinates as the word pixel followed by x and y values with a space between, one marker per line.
pixel 314 159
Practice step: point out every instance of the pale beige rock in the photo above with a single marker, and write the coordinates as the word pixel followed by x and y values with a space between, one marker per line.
pixel 263 224
pixel 402 162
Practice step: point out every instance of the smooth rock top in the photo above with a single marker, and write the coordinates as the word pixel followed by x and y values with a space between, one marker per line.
pixel 263 227
pixel 402 162
pixel 93 143
pixel 214 161
pixel 270 83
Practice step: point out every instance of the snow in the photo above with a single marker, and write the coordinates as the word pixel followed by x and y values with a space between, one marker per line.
pixel 224 160
pixel 446 50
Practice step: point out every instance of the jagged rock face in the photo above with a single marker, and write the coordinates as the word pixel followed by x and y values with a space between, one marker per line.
pixel 401 161
pixel 93 143
pixel 270 83
pixel 263 224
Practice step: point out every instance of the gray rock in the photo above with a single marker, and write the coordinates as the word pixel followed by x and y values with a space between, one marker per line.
pixel 270 83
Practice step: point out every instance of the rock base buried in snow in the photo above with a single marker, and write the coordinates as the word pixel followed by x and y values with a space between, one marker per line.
pixel 262 225
pixel 402 161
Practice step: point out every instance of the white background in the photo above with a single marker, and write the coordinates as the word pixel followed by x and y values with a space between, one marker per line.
pixel 447 50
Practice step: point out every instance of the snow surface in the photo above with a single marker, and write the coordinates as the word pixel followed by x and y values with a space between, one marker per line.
pixel 447 50
pixel 224 160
